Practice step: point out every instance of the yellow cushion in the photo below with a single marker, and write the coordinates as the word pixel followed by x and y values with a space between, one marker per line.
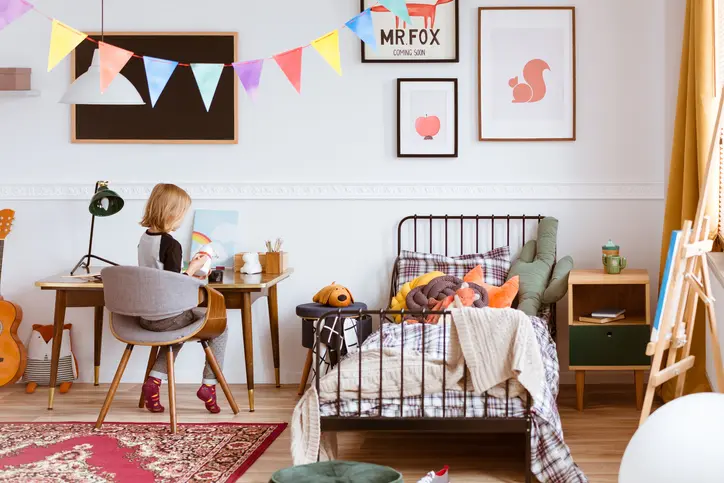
pixel 399 301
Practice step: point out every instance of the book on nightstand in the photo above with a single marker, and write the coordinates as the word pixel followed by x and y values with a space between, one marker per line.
pixel 608 312
pixel 600 320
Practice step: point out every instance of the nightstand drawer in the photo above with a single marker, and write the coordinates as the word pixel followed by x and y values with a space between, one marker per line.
pixel 615 345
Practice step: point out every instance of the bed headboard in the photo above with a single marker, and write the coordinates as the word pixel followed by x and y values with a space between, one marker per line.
pixel 463 234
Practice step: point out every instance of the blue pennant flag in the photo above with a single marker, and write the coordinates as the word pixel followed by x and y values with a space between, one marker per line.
pixel 362 26
pixel 399 8
pixel 158 72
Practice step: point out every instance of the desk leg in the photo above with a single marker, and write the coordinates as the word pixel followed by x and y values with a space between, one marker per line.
pixel 274 325
pixel 248 345
pixel 58 321
pixel 97 343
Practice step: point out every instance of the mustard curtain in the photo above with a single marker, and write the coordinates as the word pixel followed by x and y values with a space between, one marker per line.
pixel 695 118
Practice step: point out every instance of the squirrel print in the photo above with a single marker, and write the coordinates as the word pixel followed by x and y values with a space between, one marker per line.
pixel 534 87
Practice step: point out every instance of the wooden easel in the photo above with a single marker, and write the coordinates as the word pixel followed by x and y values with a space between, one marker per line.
pixel 687 284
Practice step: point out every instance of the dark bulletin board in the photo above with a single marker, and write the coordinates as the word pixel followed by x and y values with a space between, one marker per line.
pixel 179 115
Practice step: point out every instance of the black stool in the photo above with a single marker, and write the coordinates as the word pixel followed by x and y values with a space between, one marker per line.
pixel 309 314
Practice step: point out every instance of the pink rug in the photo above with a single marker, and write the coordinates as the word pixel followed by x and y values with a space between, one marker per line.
pixel 128 452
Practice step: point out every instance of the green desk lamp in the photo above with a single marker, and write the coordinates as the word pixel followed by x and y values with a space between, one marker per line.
pixel 105 202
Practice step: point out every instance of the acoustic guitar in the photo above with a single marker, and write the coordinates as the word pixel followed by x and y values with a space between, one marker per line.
pixel 13 357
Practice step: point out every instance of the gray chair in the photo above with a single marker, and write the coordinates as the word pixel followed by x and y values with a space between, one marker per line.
pixel 134 292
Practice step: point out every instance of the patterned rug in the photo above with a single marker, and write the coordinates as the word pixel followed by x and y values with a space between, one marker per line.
pixel 139 453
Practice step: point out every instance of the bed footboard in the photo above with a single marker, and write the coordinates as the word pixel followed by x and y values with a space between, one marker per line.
pixel 470 414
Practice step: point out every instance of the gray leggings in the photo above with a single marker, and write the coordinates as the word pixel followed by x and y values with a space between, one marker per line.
pixel 160 368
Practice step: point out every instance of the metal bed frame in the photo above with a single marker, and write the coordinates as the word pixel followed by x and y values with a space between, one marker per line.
pixel 446 424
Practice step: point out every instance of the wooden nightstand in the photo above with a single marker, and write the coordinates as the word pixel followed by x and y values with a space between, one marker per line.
pixel 615 346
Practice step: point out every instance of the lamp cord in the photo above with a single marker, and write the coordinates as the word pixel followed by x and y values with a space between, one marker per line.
pixel 103 2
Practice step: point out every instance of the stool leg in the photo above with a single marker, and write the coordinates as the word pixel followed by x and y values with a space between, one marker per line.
pixel 220 376
pixel 171 390
pixel 305 371
pixel 114 385
pixel 151 361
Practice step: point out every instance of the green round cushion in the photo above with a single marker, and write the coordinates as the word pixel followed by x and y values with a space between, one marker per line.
pixel 337 472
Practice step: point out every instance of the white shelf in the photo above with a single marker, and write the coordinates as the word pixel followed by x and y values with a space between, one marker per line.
pixel 30 93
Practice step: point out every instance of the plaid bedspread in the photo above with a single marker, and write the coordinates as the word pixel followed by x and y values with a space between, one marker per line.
pixel 551 460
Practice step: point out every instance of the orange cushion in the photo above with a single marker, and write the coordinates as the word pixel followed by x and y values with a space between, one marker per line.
pixel 498 297
pixel 502 297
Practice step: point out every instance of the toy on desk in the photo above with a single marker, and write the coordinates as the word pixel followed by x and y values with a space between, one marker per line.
pixel 335 296
pixel 208 253
pixel 40 346
pixel 251 263
pixel 217 275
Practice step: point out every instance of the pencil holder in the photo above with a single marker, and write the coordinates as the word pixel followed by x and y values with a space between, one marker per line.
pixel 276 262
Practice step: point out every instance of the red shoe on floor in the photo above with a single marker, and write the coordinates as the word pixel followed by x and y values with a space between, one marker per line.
pixel 151 390
pixel 207 393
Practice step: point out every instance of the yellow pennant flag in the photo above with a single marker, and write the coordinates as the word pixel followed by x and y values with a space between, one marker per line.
pixel 328 48
pixel 63 40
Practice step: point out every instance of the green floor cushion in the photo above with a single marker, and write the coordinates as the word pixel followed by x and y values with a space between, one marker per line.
pixel 337 472
pixel 535 272
pixel 558 285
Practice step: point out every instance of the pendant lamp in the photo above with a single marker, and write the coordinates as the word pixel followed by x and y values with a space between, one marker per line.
pixel 86 89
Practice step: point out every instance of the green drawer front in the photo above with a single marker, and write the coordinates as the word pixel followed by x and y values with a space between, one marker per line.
pixel 616 345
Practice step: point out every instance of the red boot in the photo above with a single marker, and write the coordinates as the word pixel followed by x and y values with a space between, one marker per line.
pixel 151 390
pixel 207 393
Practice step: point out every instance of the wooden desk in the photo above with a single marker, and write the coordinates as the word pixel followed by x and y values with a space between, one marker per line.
pixel 237 290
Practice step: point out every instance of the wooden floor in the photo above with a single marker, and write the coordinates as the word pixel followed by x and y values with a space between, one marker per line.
pixel 597 437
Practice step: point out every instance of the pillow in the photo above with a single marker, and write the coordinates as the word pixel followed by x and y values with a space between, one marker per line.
pixel 399 301
pixel 558 285
pixel 502 297
pixel 498 297
pixel 494 264
pixel 534 273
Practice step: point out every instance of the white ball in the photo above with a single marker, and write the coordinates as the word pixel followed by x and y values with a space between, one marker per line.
pixel 681 442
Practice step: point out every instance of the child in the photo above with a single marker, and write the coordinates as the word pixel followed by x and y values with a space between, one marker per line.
pixel 165 211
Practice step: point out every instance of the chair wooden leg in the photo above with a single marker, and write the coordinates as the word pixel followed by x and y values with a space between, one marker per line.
pixel 171 390
pixel 114 385
pixel 305 372
pixel 151 361
pixel 220 376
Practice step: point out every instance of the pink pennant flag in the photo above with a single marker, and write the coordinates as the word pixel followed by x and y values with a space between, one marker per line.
pixel 290 63
pixel 112 61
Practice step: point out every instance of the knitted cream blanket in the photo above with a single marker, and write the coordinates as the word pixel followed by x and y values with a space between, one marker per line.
pixel 496 344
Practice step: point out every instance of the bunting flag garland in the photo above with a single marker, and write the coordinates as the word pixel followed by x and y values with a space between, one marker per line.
pixel 11 10
pixel 112 61
pixel 249 74
pixel 328 48
pixel 363 27
pixel 399 8
pixel 290 63
pixel 158 72
pixel 63 40
pixel 207 78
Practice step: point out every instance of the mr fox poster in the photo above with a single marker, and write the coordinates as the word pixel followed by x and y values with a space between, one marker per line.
pixel 432 36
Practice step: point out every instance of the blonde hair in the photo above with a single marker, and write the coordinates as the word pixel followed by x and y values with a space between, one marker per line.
pixel 165 207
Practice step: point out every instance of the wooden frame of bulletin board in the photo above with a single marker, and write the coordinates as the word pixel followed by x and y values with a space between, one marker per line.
pixel 179 116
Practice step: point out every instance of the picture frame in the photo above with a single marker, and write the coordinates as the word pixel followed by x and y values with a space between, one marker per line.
pixel 427 118
pixel 179 117
pixel 434 37
pixel 527 76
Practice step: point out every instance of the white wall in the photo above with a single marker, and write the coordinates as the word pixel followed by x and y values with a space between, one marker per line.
pixel 609 183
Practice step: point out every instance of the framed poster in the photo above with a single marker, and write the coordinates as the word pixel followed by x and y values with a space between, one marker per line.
pixel 179 116
pixel 527 73
pixel 427 118
pixel 432 37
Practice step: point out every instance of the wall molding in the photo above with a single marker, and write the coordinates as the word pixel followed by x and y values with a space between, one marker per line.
pixel 351 191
